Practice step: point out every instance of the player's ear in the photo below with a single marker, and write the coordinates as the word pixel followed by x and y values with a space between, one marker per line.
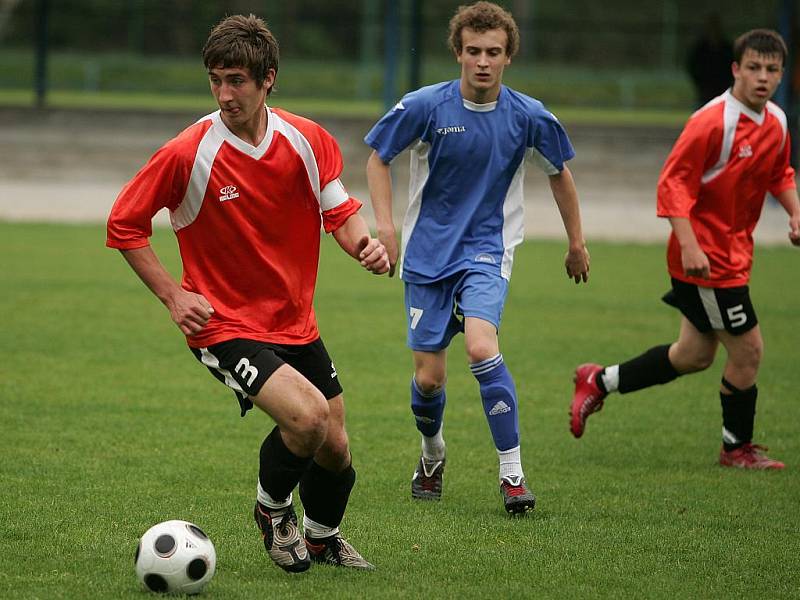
pixel 269 79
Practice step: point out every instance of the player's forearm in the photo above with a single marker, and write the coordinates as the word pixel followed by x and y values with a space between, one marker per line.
pixel 684 233
pixel 146 265
pixel 790 202
pixel 566 197
pixel 379 181
pixel 350 234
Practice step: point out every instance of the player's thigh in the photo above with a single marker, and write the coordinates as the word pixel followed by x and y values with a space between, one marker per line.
pixel 694 350
pixel 241 364
pixel 481 299
pixel 430 312
pixel 259 374
pixel 293 402
pixel 480 338
pixel 745 349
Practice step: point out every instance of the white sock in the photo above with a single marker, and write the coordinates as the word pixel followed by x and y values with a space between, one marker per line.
pixel 610 378
pixel 510 462
pixel 315 530
pixel 268 501
pixel 433 447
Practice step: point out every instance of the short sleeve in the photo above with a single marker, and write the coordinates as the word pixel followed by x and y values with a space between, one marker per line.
pixel 679 183
pixel 548 144
pixel 783 174
pixel 160 183
pixel 399 127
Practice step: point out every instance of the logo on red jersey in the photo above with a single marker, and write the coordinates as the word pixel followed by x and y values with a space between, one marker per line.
pixel 229 192
pixel 745 151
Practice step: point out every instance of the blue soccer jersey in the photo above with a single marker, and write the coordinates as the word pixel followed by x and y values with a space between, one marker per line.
pixel 465 207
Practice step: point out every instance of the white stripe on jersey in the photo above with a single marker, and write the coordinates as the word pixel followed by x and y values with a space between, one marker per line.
pixel 712 308
pixel 416 182
pixel 513 220
pixel 781 116
pixel 730 121
pixel 303 149
pixel 212 362
pixel 189 207
pixel 540 161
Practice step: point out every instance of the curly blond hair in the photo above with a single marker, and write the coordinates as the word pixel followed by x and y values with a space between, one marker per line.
pixel 481 17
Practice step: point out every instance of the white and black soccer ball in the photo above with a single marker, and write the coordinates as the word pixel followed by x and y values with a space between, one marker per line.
pixel 175 557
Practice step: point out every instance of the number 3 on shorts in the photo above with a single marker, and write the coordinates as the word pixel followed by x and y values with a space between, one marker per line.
pixel 416 315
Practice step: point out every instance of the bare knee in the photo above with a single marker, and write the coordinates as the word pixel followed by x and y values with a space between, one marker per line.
pixel 307 427
pixel 481 349
pixel 430 381
pixel 334 454
pixel 700 361
pixel 747 356
pixel 691 358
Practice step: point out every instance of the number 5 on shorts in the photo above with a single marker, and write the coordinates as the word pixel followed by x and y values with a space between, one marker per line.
pixel 737 316
pixel 416 315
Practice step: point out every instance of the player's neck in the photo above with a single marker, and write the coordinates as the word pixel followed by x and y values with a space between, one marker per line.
pixel 251 131
pixel 480 96
pixel 756 108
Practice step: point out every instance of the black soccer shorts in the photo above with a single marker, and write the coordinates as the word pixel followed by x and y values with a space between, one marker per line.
pixel 713 308
pixel 245 365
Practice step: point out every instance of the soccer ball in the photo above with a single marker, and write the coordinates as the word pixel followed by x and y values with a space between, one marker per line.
pixel 175 557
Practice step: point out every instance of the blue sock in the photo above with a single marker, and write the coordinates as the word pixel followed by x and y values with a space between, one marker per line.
pixel 428 410
pixel 499 401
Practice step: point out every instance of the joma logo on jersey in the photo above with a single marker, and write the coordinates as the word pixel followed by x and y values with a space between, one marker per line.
pixel 229 192
pixel 452 129
pixel 745 151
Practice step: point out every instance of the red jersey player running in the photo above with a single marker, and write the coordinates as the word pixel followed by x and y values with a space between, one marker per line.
pixel 712 188
pixel 248 188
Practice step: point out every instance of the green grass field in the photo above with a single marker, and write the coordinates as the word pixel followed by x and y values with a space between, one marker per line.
pixel 109 425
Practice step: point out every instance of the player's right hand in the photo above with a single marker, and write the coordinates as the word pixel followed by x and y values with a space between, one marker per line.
pixel 189 311
pixel 389 241
pixel 794 230
pixel 695 262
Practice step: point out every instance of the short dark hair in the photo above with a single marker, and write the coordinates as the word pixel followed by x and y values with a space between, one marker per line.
pixel 762 41
pixel 242 42
pixel 483 16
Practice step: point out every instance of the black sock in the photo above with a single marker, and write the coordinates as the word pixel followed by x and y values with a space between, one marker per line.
pixel 325 494
pixel 651 368
pixel 738 415
pixel 279 469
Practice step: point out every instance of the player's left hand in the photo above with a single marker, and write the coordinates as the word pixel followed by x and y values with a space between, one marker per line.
pixel 372 255
pixel 577 264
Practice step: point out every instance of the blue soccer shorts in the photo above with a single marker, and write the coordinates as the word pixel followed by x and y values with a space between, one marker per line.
pixel 436 311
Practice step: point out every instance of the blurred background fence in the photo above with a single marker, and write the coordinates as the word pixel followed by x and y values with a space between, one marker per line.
pixel 629 54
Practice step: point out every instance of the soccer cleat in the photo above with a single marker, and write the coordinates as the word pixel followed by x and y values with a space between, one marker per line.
pixel 337 551
pixel 517 498
pixel 588 397
pixel 748 456
pixel 282 538
pixel 427 481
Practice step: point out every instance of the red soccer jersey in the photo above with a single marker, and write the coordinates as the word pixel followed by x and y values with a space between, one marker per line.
pixel 247 221
pixel 725 161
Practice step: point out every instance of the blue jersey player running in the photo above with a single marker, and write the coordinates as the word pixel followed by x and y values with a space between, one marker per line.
pixel 470 140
